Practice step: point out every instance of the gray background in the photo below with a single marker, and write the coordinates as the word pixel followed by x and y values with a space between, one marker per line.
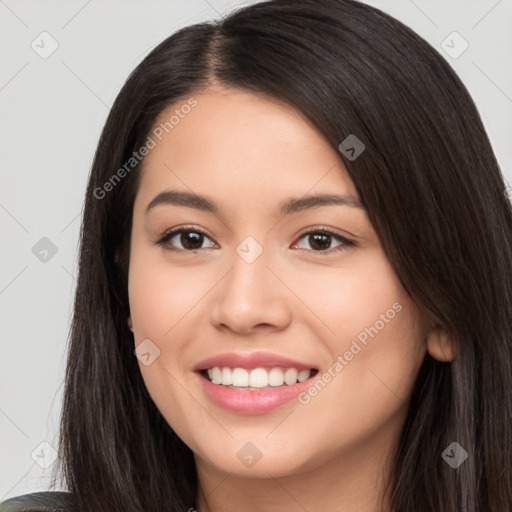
pixel 52 110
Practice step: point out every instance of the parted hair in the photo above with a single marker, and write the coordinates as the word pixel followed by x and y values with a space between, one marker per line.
pixel 434 194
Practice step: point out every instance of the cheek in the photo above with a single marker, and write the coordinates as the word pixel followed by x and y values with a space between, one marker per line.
pixel 160 298
pixel 353 295
pixel 368 319
pixel 160 293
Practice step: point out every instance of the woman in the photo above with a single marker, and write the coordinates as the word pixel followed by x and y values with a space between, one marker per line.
pixel 295 278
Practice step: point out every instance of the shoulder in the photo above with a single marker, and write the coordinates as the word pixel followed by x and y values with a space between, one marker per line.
pixel 46 501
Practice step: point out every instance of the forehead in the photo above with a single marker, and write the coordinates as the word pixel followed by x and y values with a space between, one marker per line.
pixel 243 145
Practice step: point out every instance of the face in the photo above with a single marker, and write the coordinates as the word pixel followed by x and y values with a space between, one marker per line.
pixel 311 284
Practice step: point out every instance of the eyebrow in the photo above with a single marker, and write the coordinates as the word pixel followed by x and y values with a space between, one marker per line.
pixel 191 200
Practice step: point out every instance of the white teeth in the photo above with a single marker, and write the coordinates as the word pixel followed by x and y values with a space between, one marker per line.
pixel 227 376
pixel 240 377
pixel 303 375
pixel 216 375
pixel 276 377
pixel 290 376
pixel 257 377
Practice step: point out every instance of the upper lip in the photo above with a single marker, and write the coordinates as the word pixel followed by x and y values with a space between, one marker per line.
pixel 251 360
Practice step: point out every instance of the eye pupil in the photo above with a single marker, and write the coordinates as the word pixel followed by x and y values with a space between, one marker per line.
pixel 319 239
pixel 191 236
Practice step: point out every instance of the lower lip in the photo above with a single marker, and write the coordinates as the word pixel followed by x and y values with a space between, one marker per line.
pixel 252 402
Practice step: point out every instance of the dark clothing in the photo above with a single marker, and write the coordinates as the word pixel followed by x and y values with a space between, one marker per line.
pixel 46 501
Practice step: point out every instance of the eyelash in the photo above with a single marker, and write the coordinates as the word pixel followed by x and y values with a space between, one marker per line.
pixel 346 243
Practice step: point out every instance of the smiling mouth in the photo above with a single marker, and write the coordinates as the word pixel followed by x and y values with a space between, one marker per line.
pixel 256 379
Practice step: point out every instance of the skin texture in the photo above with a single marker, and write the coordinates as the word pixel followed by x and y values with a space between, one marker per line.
pixel 249 153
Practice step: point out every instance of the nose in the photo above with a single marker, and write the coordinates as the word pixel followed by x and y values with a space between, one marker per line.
pixel 252 298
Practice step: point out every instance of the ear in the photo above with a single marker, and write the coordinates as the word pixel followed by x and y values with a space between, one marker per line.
pixel 130 323
pixel 440 345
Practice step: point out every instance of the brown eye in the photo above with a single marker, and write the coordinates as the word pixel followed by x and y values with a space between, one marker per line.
pixel 190 240
pixel 320 241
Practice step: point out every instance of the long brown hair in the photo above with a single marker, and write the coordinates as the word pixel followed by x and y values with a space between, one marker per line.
pixel 433 191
